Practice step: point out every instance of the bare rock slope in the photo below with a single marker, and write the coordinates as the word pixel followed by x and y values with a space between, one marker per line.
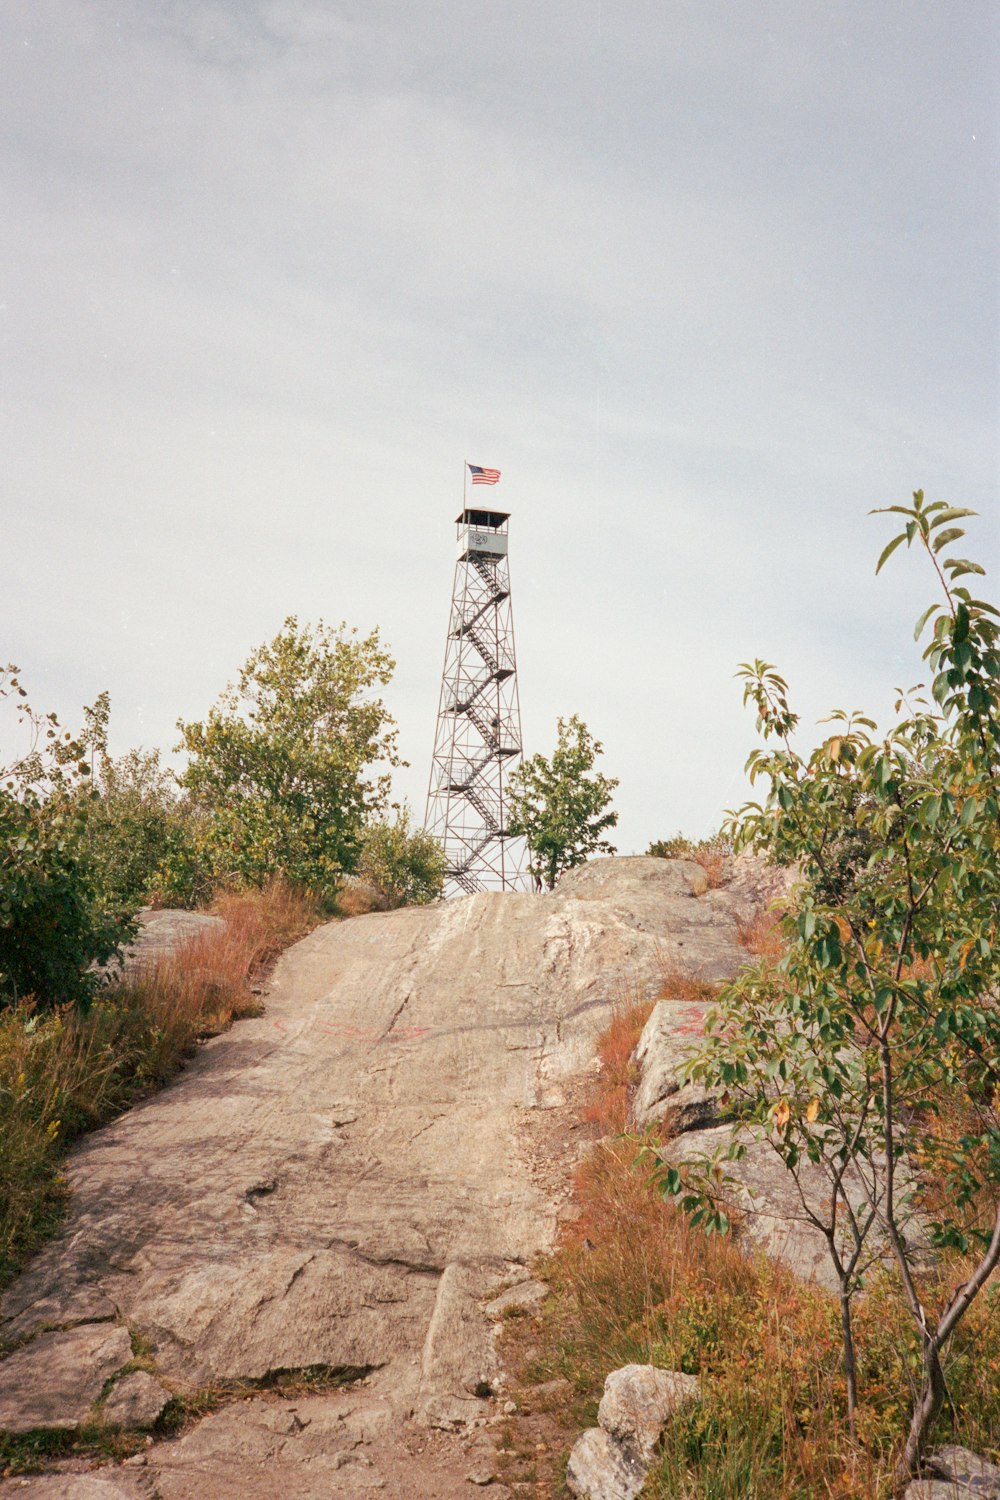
pixel 345 1181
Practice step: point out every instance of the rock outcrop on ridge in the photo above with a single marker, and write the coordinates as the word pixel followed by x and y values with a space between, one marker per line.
pixel 343 1182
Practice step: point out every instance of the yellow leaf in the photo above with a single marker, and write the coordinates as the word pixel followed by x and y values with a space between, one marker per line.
pixel 782 1114
pixel 812 1113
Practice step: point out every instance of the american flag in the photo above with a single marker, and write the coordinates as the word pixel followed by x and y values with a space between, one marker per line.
pixel 483 476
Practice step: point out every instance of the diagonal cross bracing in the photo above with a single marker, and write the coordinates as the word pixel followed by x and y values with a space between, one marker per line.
pixel 478 737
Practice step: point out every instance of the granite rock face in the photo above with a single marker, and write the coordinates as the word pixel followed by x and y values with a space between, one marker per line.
pixel 611 1461
pixel 601 1469
pixel 762 1192
pixel 109 1485
pixel 162 932
pixel 54 1380
pixel 525 1297
pixel 344 1181
pixel 135 1401
pixel 964 1471
pixel 638 1402
pixel 667 1041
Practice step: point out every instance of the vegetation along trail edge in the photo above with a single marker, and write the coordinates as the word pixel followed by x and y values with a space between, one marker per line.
pixel 341 1184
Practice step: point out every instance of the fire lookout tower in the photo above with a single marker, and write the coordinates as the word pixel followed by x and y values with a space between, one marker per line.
pixel 478 739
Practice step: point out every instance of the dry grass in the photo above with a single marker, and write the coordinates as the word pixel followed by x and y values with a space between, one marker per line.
pixel 632 1282
pixel 716 865
pixel 359 899
pixel 676 985
pixel 761 934
pixel 607 1109
pixel 67 1071
pixel 608 1106
pixel 714 854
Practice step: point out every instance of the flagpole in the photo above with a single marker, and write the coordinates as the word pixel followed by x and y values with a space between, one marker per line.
pixel 465 480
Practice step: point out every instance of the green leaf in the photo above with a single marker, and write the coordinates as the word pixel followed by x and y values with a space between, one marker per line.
pixel 931 810
pixel 970 807
pixel 960 630
pixel 889 549
pixel 942 539
pixel 918 628
pixel 953 513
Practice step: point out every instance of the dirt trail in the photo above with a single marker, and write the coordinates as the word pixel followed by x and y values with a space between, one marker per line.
pixel 346 1180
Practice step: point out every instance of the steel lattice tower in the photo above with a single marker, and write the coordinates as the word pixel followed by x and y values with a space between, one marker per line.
pixel 478 738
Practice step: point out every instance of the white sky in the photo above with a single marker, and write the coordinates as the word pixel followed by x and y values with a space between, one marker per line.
pixel 706 280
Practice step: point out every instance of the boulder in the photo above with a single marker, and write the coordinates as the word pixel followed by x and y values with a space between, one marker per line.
pixel 765 1196
pixel 458 1367
pixel 135 1401
pixel 527 1296
pixel 977 1475
pixel 639 1400
pixel 936 1489
pixel 54 1381
pixel 668 1038
pixel 600 1469
pixel 610 1462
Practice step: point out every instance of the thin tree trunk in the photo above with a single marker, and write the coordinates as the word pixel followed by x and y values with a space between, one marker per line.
pixel 932 1396
pixel 850 1358
pixel 928 1404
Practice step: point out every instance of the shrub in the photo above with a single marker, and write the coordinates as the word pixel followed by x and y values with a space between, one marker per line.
pixel 358 898
pixel 886 1002
pixel 282 768
pixel 712 853
pixel 67 1071
pixel 141 841
pixel 562 806
pixel 633 1281
pixel 54 922
pixel 406 865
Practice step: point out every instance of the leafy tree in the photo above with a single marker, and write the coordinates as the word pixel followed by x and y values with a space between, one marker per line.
pixel 882 1021
pixel 185 874
pixel 139 837
pixel 282 768
pixel 406 865
pixel 561 806
pixel 54 925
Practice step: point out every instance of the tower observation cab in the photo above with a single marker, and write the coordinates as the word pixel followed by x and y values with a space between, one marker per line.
pixel 478 737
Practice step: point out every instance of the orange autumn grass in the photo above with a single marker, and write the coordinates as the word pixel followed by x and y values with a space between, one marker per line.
pixel 607 1109
pixel 633 1282
pixel 66 1071
pixel 761 934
